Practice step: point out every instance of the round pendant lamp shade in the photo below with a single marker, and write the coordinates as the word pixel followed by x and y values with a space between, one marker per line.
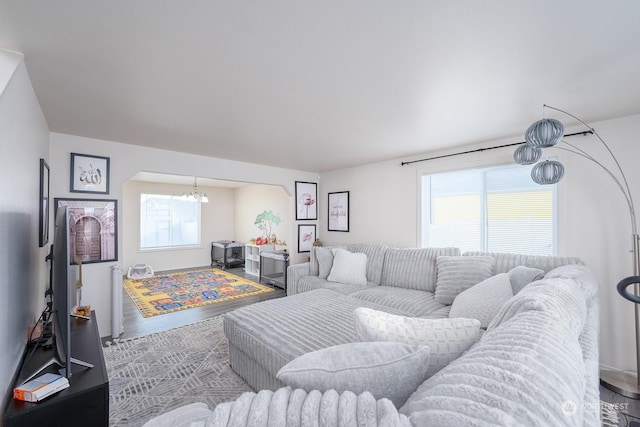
pixel 547 172
pixel 526 154
pixel 544 133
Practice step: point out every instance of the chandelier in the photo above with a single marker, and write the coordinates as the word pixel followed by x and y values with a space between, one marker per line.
pixel 195 194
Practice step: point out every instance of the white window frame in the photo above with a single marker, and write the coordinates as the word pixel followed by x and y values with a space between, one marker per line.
pixel 170 247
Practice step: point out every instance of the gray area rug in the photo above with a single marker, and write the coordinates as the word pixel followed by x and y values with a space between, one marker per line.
pixel 155 373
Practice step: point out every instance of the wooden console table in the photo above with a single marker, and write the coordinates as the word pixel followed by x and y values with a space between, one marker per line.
pixel 85 402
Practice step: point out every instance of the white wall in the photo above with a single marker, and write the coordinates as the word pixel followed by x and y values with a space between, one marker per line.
pixel 24 139
pixel 252 200
pixel 126 161
pixel 593 220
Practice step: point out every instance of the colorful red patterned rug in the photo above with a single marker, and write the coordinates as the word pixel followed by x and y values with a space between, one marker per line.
pixel 167 293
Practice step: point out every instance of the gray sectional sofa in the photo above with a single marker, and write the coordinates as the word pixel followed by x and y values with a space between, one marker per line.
pixel 535 365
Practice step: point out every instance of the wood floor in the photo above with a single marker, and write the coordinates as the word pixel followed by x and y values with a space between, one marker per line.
pixel 135 325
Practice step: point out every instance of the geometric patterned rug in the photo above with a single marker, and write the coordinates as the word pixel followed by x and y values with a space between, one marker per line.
pixel 153 374
pixel 170 292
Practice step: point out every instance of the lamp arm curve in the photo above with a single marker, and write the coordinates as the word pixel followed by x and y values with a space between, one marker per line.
pixel 624 178
pixel 627 197
pixel 624 284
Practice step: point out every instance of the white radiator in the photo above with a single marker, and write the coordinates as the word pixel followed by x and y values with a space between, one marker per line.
pixel 117 321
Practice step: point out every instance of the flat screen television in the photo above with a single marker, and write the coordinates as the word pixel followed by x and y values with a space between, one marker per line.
pixel 62 289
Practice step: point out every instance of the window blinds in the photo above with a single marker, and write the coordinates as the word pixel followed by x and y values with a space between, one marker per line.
pixel 498 209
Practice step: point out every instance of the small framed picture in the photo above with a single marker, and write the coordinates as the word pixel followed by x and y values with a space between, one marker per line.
pixel 338 211
pixel 93 229
pixel 89 174
pixel 306 200
pixel 44 203
pixel 306 237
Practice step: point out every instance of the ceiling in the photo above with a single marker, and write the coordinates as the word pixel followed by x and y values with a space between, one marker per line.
pixel 323 85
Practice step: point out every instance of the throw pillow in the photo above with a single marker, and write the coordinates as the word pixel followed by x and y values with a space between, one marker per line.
pixel 348 267
pixel 521 276
pixel 325 261
pixel 484 300
pixel 385 369
pixel 454 274
pixel 447 339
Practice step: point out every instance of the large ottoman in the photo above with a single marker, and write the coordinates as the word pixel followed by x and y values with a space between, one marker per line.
pixel 263 337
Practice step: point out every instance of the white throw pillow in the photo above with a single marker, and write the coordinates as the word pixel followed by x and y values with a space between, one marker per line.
pixel 348 267
pixel 446 338
pixel 385 369
pixel 484 300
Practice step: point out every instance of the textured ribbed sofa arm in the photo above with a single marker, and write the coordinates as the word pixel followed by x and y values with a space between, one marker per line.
pixel 287 407
pixel 294 273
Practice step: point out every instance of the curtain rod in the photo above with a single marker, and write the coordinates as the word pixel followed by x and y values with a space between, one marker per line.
pixel 477 150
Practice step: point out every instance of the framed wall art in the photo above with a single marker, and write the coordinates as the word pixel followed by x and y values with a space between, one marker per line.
pixel 306 200
pixel 93 229
pixel 89 174
pixel 306 237
pixel 338 214
pixel 43 235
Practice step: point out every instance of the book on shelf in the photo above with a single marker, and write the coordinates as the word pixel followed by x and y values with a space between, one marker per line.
pixel 40 388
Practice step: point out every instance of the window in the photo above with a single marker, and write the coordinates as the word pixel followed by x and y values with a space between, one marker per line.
pixel 168 221
pixel 497 209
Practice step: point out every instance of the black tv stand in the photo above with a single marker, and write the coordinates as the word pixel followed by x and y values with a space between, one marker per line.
pixel 85 402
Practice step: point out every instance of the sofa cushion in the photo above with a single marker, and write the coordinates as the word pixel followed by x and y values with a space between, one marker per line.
pixel 313 258
pixel 484 300
pixel 325 261
pixel 560 296
pixel 310 283
pixel 579 274
pixel 413 268
pixel 389 370
pixel 446 338
pixel 348 267
pixel 375 259
pixel 418 303
pixel 457 273
pixel 521 276
pixel 507 261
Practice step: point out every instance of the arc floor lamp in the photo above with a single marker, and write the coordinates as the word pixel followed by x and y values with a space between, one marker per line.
pixel 547 133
